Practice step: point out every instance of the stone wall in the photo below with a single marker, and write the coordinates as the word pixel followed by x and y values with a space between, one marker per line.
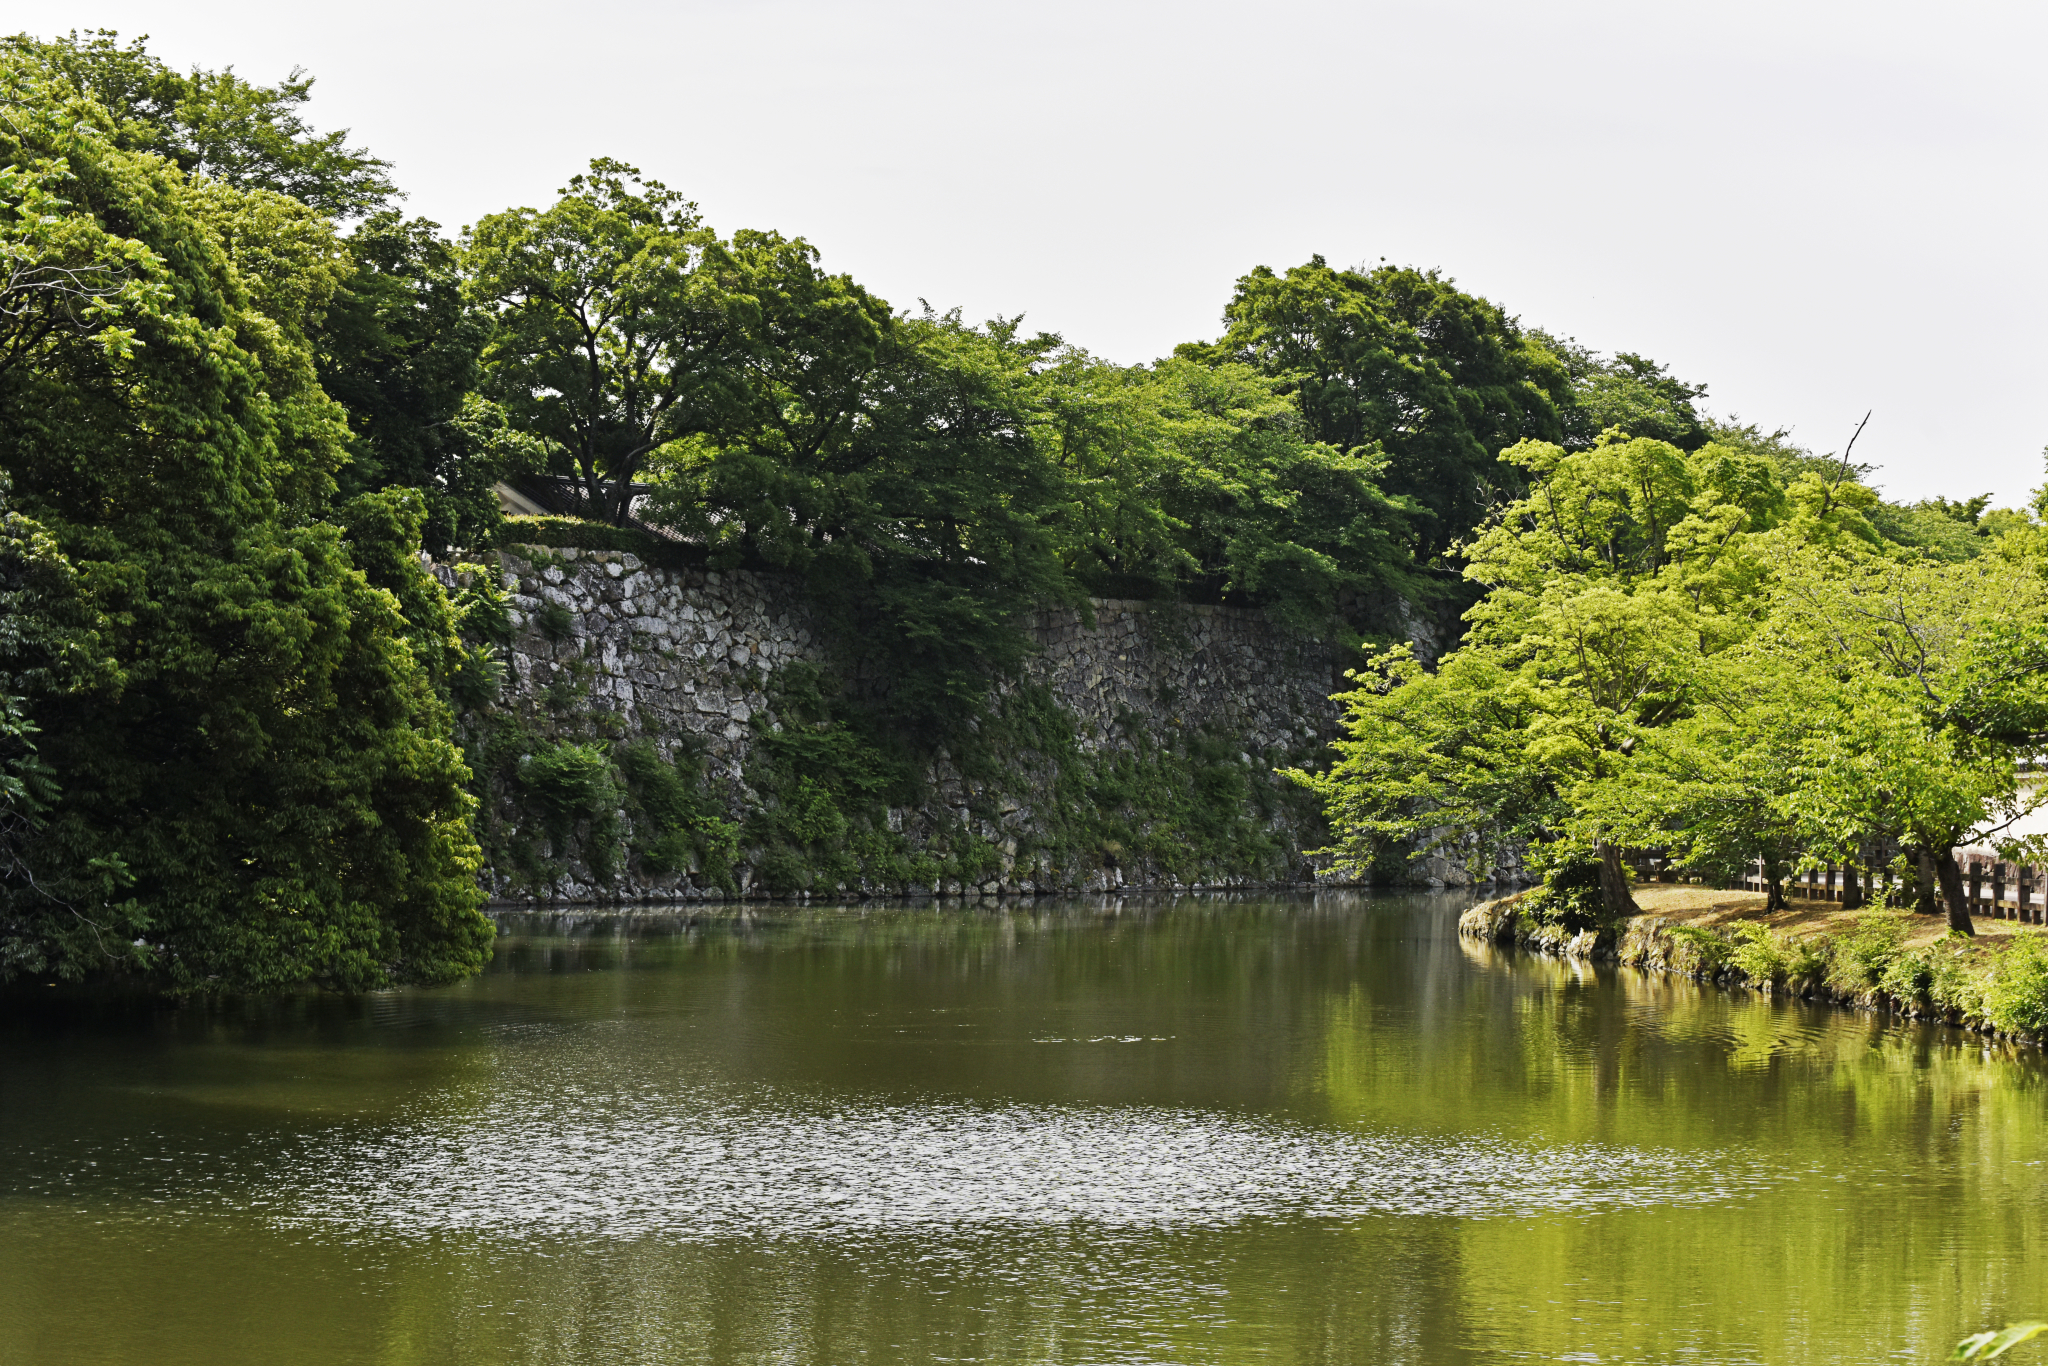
pixel 1168 665
pixel 684 657
pixel 665 653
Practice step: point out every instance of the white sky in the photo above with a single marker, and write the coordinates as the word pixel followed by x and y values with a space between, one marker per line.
pixel 1816 209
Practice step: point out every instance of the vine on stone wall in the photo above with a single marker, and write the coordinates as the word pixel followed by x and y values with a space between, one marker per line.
pixel 560 795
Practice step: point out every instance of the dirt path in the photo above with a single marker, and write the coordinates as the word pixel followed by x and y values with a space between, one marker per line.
pixel 1684 905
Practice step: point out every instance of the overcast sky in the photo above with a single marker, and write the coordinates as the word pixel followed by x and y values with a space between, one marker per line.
pixel 1815 209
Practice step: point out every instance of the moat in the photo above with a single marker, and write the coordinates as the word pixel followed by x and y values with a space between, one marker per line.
pixel 1286 1129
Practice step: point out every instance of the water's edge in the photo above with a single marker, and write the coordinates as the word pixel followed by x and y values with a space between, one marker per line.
pixel 1646 943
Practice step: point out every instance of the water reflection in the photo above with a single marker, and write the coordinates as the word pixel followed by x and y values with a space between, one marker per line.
pixel 560 1162
pixel 1203 1131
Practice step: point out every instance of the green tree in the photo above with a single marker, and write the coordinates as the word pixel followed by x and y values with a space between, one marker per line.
pixel 622 325
pixel 895 466
pixel 1201 481
pixel 212 123
pixel 1934 675
pixel 1629 393
pixel 1610 587
pixel 400 349
pixel 1400 359
pixel 257 785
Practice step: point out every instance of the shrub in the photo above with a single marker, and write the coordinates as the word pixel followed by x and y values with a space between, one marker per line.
pixel 569 781
pixel 2016 994
pixel 1710 948
pixel 479 606
pixel 1908 977
pixel 479 678
pixel 1864 951
pixel 1757 951
pixel 1569 897
pixel 676 825
pixel 1954 986
pixel 782 870
pixel 1806 960
pixel 555 621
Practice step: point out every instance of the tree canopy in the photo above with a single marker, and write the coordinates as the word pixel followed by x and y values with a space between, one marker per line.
pixel 1691 652
pixel 1400 360
pixel 242 771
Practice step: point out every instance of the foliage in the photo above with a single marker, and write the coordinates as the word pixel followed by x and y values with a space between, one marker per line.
pixel 399 349
pixel 828 777
pixel 903 485
pixel 1189 480
pixel 1712 652
pixel 1569 897
pixel 1399 360
pixel 2016 994
pixel 1764 955
pixel 620 323
pixel 258 787
pixel 211 124
pixel 1865 951
pixel 1627 393
pixel 1433 760
pixel 1711 951
pixel 1623 570
pixel 567 533
pixel 1194 807
pixel 227 687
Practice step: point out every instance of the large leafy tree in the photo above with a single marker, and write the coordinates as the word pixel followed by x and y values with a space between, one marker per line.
pixel 1931 677
pixel 1684 650
pixel 622 325
pixel 214 123
pixel 1400 359
pixel 893 462
pixel 396 344
pixel 1202 481
pixel 1628 392
pixel 399 348
pixel 1609 585
pixel 249 778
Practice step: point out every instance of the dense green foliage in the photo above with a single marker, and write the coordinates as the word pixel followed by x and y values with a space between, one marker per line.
pixel 1190 805
pixel 211 124
pixel 1714 653
pixel 400 350
pixel 244 773
pixel 1868 959
pixel 1400 361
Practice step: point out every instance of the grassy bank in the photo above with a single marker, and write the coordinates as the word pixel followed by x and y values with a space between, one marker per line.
pixel 1884 960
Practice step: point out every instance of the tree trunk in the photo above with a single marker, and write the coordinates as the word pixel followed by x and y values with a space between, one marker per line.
pixel 1614 894
pixel 1852 890
pixel 1774 894
pixel 1951 874
pixel 1923 895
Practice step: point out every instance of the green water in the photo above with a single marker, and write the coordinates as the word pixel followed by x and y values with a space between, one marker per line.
pixel 1286 1130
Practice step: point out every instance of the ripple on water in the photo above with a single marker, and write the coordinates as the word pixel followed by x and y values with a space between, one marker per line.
pixel 700 1169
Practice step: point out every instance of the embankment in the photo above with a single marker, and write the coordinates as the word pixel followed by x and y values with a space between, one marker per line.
pixel 1885 962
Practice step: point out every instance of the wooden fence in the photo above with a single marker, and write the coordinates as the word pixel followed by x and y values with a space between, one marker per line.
pixel 2000 890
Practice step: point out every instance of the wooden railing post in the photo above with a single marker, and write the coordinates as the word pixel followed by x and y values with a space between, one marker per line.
pixel 1998 889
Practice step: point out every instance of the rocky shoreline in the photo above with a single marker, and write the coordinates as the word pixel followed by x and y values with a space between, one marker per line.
pixel 1649 943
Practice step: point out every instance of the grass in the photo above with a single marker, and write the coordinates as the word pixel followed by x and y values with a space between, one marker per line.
pixel 1710 908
